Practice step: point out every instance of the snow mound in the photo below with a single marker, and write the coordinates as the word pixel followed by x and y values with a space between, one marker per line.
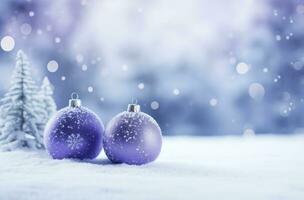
pixel 264 167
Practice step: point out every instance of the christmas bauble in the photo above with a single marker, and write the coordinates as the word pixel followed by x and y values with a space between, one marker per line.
pixel 132 137
pixel 74 132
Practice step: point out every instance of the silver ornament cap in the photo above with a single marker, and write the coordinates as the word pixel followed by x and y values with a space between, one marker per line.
pixel 74 102
pixel 133 108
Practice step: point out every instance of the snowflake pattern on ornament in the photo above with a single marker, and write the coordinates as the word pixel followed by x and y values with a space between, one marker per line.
pixel 75 141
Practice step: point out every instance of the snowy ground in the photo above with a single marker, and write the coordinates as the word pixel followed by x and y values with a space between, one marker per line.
pixel 268 167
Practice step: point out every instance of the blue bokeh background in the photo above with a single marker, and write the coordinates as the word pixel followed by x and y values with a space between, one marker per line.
pixel 198 67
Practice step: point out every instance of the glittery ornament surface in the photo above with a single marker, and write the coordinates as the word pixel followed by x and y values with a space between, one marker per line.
pixel 132 138
pixel 74 133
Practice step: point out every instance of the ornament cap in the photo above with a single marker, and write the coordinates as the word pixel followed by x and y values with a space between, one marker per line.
pixel 74 102
pixel 133 108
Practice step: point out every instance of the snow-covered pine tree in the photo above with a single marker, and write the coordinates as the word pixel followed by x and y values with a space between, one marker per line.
pixel 48 103
pixel 20 110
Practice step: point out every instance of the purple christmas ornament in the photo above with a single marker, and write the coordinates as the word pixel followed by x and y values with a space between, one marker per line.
pixel 132 137
pixel 74 132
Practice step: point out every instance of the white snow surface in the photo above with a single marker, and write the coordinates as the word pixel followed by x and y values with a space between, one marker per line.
pixel 202 168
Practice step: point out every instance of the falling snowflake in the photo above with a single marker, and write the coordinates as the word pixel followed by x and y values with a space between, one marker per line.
pixel 90 89
pixel 176 91
pixel 213 102
pixel 57 39
pixel 31 13
pixel 141 86
pixel 75 141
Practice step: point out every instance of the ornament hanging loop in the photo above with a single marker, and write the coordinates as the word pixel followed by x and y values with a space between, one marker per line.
pixel 133 107
pixel 74 95
pixel 74 102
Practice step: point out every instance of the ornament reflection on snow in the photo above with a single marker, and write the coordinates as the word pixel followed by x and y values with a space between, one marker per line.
pixel 74 132
pixel 132 137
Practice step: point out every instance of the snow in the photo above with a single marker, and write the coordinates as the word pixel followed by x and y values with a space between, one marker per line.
pixel 261 167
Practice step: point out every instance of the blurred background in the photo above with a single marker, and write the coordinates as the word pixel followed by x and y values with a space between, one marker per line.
pixel 199 67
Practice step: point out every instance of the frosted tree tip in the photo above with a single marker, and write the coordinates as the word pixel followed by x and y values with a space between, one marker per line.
pixel 46 80
pixel 21 54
